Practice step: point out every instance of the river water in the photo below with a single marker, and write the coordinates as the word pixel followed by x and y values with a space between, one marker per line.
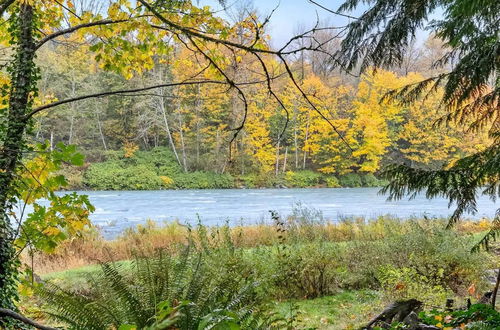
pixel 117 210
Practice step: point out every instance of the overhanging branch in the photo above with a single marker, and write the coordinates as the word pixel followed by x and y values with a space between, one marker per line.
pixel 76 28
pixel 119 92
pixel 173 27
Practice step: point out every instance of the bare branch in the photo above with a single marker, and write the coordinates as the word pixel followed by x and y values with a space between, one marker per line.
pixel 10 313
pixel 231 83
pixel 332 11
pixel 269 88
pixel 290 73
pixel 119 92
pixel 190 34
pixel 4 5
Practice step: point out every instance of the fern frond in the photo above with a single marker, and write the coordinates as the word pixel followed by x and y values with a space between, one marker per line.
pixel 490 236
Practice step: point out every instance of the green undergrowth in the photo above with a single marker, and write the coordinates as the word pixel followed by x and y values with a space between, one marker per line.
pixel 158 169
pixel 306 274
pixel 344 310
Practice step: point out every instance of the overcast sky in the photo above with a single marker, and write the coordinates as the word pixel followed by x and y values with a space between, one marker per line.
pixel 288 15
pixel 292 13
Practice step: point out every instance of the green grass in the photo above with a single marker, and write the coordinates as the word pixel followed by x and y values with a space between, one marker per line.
pixel 78 277
pixel 345 310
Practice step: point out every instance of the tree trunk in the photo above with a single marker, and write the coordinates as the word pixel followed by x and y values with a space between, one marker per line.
pixel 295 140
pixel 284 161
pixel 71 123
pixel 51 139
pixel 198 108
pixel 99 126
pixel 183 147
pixel 305 141
pixel 277 164
pixel 167 126
pixel 22 84
pixel 73 111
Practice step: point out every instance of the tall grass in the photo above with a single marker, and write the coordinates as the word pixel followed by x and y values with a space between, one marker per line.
pixel 302 226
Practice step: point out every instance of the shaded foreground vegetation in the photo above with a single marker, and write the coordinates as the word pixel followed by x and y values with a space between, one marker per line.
pixel 283 275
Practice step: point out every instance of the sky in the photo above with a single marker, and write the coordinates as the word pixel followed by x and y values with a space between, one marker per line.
pixel 288 16
pixel 293 13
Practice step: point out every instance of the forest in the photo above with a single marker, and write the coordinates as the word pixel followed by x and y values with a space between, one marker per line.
pixel 294 147
pixel 157 95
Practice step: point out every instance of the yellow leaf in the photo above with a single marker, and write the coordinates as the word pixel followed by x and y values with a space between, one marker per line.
pixel 52 231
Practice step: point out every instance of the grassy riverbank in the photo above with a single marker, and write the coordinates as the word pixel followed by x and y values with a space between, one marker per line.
pixel 317 274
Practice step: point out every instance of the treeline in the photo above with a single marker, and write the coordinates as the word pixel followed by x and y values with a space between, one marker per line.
pixel 341 135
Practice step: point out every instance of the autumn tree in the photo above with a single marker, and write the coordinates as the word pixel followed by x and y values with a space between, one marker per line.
pixel 470 80
pixel 126 38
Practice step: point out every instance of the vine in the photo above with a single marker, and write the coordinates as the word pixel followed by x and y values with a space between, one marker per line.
pixel 16 103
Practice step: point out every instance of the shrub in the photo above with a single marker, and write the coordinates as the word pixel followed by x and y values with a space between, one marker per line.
pixel 112 176
pixel 162 160
pixel 302 179
pixel 351 180
pixel 300 270
pixel 149 170
pixel 248 181
pixel 406 283
pixel 419 260
pixel 332 182
pixel 74 177
pixel 269 180
pixel 369 180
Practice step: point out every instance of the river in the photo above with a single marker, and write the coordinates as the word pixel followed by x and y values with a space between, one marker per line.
pixel 117 210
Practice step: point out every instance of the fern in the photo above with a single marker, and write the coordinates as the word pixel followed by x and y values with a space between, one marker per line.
pixel 181 290
pixel 491 235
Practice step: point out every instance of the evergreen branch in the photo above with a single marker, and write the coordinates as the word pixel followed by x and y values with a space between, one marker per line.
pixel 492 234
pixel 459 183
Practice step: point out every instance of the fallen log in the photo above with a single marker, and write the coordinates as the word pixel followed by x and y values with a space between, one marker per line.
pixel 10 313
pixel 397 311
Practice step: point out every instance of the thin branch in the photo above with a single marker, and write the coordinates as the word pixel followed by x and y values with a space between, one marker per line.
pixel 280 54
pixel 10 313
pixel 269 88
pixel 193 33
pixel 304 95
pixel 68 9
pixel 75 28
pixel 231 83
pixel 332 11
pixel 119 92
pixel 4 5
